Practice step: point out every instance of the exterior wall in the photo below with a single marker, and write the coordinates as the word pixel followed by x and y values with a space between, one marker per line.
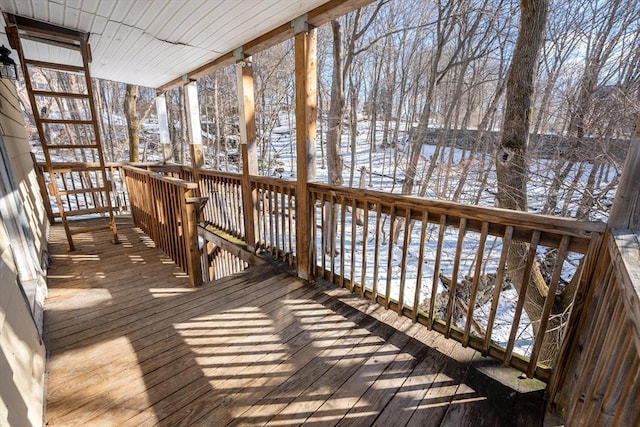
pixel 23 233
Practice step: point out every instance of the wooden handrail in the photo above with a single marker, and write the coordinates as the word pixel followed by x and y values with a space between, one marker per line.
pixel 276 225
pixel 346 264
pixel 168 179
pixel 77 193
pixel 605 342
pixel 165 209
pixel 506 217
pixel 379 272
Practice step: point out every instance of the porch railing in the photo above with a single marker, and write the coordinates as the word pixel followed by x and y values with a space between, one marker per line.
pixel 442 264
pixel 224 209
pixel 445 264
pixel 76 179
pixel 165 209
pixel 605 342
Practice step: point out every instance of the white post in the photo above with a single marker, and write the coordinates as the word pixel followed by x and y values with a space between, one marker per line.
pixel 195 130
pixel 163 123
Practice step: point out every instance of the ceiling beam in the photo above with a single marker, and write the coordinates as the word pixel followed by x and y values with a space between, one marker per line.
pixel 320 15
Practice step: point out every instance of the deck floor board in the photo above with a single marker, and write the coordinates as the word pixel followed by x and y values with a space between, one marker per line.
pixel 132 345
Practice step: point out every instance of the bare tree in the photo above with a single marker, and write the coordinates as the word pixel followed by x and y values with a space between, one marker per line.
pixel 511 165
pixel 133 125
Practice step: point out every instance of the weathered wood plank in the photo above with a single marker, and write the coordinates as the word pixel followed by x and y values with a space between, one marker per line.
pixel 258 347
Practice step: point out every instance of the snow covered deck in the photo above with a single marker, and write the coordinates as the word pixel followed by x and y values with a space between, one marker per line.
pixel 131 344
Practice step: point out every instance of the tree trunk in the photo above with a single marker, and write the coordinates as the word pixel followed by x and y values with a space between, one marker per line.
pixel 335 162
pixel 511 160
pixel 133 125
pixel 336 111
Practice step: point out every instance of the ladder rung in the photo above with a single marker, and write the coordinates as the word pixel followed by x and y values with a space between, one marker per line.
pixel 83 190
pixel 59 94
pixel 71 146
pixel 67 121
pixel 54 65
pixel 79 230
pixel 88 211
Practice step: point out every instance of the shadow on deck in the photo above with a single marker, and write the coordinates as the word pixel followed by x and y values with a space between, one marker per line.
pixel 131 344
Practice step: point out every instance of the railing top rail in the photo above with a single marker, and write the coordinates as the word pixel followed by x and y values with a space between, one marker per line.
pixel 155 175
pixel 217 173
pixel 278 182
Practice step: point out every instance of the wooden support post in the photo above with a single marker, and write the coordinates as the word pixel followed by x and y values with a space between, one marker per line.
pixel 195 130
pixel 625 212
pixel 306 104
pixel 246 104
pixel 190 235
pixel 163 123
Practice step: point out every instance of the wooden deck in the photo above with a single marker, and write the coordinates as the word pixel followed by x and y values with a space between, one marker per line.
pixel 131 344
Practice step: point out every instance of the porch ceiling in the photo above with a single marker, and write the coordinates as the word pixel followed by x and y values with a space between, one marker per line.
pixel 155 42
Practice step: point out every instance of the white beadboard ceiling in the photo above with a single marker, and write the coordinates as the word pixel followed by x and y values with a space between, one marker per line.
pixel 151 42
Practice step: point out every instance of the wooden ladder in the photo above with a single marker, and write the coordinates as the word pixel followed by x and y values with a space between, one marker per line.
pixel 66 132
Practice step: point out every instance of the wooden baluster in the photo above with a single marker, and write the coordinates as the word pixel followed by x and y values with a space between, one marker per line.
pixel 291 226
pixel 343 218
pixel 365 238
pixel 405 250
pixel 451 303
pixel 276 223
pixel 331 235
pixel 265 217
pixel 259 228
pixel 354 206
pixel 423 236
pixel 526 276
pixel 436 271
pixel 272 237
pixel 506 243
pixel 323 231
pixel 376 253
pixel 313 197
pixel 215 200
pixel 241 210
pixel 548 303
pixel 392 227
pixel 283 224
pixel 228 210
pixel 474 285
